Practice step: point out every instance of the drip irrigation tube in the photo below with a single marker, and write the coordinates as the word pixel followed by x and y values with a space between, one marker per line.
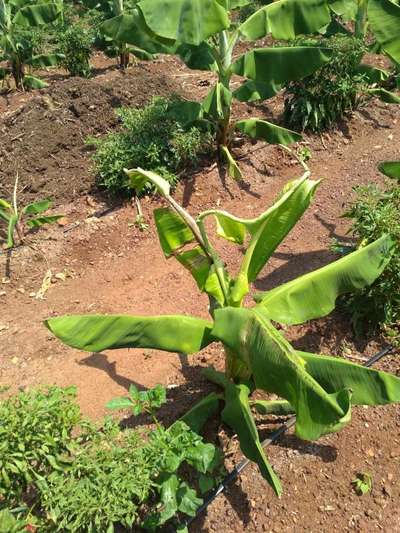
pixel 232 476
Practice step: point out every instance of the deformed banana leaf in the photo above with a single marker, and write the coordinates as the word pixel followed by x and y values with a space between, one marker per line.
pixel 313 295
pixel 36 208
pixel 281 64
pixel 37 222
pixel 386 96
pixel 369 386
pixel 184 21
pixel 94 333
pixel 172 231
pixel 277 368
pixel 391 169
pixel 285 19
pixel 251 91
pixel 238 416
pixel 233 168
pixel 384 18
pixel 197 416
pixel 37 14
pixel 271 133
pixel 31 82
pixel 217 100
pixel 45 60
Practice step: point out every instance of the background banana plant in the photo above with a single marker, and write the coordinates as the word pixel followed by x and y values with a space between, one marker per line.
pixel 381 19
pixel 319 389
pixel 17 20
pixel 204 34
pixel 20 220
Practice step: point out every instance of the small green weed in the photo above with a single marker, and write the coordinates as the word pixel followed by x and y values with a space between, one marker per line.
pixel 75 43
pixel 318 101
pixel 150 138
pixel 362 483
pixel 35 432
pixel 374 213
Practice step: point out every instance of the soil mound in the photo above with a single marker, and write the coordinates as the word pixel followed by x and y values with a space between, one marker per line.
pixel 44 140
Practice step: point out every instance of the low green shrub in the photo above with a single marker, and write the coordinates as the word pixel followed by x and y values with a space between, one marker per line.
pixel 59 472
pixel 376 211
pixel 35 431
pixel 318 101
pixel 75 43
pixel 151 138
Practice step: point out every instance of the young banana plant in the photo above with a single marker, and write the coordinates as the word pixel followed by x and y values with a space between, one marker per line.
pixel 17 20
pixel 382 19
pixel 29 217
pixel 204 34
pixel 319 389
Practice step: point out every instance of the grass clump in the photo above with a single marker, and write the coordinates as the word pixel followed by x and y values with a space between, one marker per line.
pixel 376 211
pixel 318 101
pixel 151 138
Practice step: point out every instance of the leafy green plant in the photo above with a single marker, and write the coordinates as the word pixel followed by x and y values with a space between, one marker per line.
pixel 374 212
pixel 110 38
pixel 321 99
pixel 169 449
pixel 59 472
pixel 75 44
pixel 320 389
pixel 151 137
pixel 147 401
pixel 362 483
pixel 29 217
pixel 17 21
pixel 205 35
pixel 35 432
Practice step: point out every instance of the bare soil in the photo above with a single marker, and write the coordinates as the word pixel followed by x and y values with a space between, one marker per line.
pixel 101 262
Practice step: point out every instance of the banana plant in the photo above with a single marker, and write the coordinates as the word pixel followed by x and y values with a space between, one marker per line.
pixel 205 35
pixel 30 217
pixel 382 19
pixel 116 14
pixel 18 18
pixel 318 388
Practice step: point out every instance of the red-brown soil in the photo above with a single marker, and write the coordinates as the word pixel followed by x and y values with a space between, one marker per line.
pixel 111 266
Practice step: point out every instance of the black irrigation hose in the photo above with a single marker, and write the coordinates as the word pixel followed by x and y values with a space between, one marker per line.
pixel 232 476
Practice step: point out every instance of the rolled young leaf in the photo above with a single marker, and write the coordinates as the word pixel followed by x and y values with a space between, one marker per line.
pixel 314 295
pixel 94 333
pixel 238 416
pixel 271 230
pixel 281 64
pixel 285 19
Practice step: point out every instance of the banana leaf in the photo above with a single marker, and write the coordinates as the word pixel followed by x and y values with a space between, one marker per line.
pixel 391 169
pixel 313 295
pixel 184 21
pixel 384 18
pixel 238 416
pixel 286 19
pixel 94 333
pixel 281 64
